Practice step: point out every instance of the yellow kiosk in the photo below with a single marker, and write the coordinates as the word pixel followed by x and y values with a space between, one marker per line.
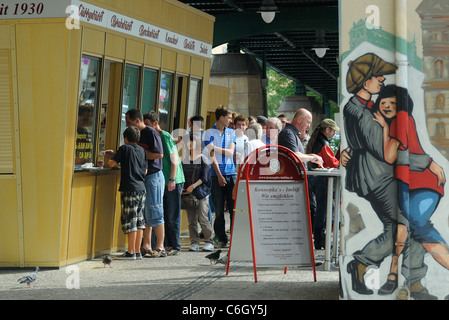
pixel 69 70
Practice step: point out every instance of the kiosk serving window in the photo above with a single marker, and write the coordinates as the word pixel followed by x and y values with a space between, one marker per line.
pixel 130 94
pixel 87 111
pixel 149 90
pixel 165 100
pixel 193 107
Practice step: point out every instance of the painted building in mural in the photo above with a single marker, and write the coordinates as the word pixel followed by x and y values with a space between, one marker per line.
pixel 435 35
pixel 394 101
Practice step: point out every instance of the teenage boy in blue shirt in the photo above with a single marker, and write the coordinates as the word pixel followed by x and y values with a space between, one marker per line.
pixel 220 142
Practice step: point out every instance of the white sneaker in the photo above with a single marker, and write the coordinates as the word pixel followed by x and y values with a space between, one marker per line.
pixel 194 247
pixel 208 247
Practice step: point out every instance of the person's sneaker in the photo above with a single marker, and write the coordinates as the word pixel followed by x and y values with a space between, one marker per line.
pixel 222 244
pixel 127 255
pixel 138 256
pixel 194 247
pixel 208 247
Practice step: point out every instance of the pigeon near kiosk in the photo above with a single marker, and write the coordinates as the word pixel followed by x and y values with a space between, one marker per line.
pixel 213 257
pixel 107 261
pixel 31 277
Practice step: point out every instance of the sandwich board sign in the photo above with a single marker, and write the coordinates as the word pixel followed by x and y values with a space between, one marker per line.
pixel 271 220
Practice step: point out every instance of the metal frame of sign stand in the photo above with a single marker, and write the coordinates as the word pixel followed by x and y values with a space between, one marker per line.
pixel 245 173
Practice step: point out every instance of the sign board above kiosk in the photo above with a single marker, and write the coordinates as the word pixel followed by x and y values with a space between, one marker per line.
pixel 75 11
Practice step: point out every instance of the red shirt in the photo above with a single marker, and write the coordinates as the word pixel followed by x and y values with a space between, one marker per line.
pixel 408 139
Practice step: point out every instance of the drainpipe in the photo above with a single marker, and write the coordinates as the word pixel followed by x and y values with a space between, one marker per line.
pixel 402 81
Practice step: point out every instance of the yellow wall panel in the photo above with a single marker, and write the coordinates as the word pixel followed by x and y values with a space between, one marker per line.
pixel 104 216
pixel 134 51
pixel 115 46
pixel 153 56
pixel 183 63
pixel 9 228
pixel 74 58
pixel 119 238
pixel 168 60
pixel 6 114
pixel 93 41
pixel 197 67
pixel 42 92
pixel 81 217
pixel 5 42
pixel 217 96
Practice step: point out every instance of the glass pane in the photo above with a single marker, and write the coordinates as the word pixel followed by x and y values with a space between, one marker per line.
pixel 87 111
pixel 165 98
pixel 103 113
pixel 149 90
pixel 130 94
pixel 194 98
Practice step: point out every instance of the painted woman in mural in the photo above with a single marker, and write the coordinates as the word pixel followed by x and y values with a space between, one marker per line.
pixel 419 192
pixel 367 172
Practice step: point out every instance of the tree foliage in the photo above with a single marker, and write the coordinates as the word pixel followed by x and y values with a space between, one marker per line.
pixel 279 87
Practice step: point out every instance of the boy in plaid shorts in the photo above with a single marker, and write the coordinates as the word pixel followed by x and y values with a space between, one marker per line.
pixel 133 165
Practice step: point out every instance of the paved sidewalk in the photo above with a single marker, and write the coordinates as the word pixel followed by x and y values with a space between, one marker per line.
pixel 187 276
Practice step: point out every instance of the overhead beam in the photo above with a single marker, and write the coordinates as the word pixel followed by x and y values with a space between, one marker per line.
pixel 235 26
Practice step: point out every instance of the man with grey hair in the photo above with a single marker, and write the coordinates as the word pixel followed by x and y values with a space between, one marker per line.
pixel 254 133
pixel 274 126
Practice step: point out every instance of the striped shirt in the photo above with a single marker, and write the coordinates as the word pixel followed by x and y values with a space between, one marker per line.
pixel 221 140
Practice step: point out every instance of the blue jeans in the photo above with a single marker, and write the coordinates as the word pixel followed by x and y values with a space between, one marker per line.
pixel 222 196
pixel 418 207
pixel 154 210
pixel 172 216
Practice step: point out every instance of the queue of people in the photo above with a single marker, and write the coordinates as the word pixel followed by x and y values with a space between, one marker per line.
pixel 156 182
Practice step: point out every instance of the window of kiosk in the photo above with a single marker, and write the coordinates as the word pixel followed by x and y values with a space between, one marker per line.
pixel 149 90
pixel 87 112
pixel 130 94
pixel 193 107
pixel 165 100
pixel 110 108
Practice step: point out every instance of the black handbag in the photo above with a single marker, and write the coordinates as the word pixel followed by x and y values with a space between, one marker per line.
pixel 189 200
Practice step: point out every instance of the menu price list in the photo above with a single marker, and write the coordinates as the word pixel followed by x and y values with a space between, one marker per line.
pixel 280 223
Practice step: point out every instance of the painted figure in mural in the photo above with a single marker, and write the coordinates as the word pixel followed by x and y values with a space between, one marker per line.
pixel 368 174
pixel 419 192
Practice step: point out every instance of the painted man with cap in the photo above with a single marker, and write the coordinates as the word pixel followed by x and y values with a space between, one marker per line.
pixel 319 145
pixel 369 176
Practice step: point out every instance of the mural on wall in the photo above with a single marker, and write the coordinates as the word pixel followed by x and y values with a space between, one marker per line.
pixel 395 153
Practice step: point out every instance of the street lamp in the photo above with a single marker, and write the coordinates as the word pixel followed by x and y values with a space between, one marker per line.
pixel 320 47
pixel 268 10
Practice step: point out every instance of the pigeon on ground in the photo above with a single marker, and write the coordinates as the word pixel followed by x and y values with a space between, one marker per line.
pixel 223 260
pixel 31 277
pixel 213 257
pixel 107 261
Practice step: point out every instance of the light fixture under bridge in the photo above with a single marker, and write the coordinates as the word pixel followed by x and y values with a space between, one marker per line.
pixel 268 10
pixel 320 47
